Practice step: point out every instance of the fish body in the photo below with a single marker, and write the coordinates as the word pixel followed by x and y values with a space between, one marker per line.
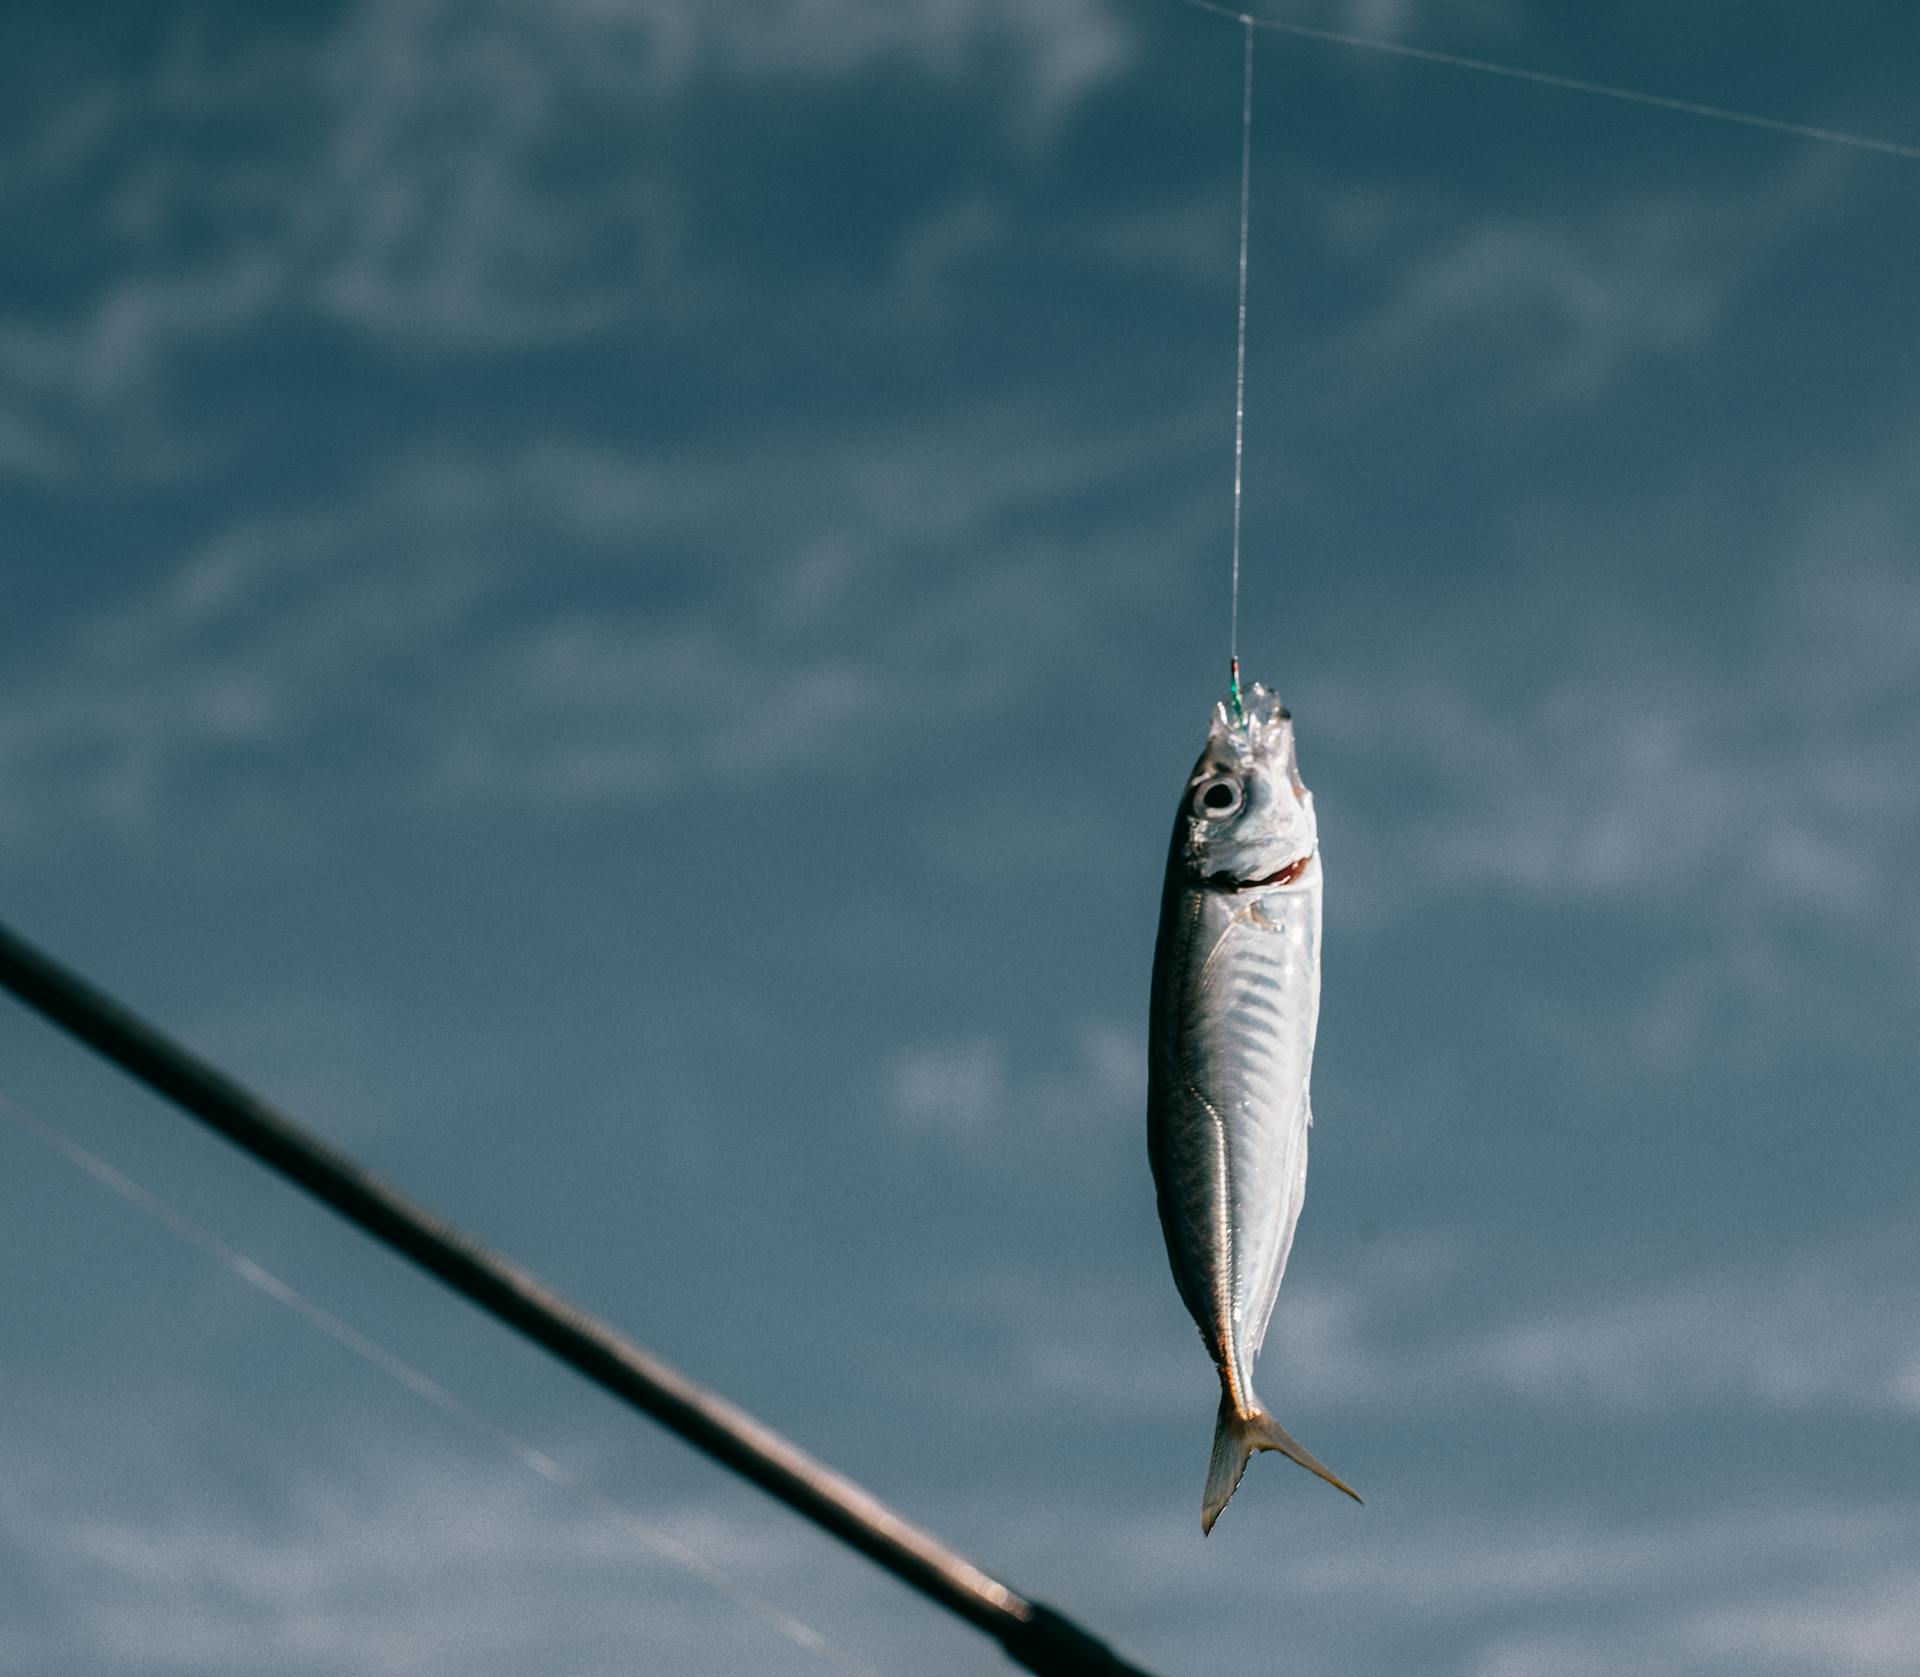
pixel 1235 1003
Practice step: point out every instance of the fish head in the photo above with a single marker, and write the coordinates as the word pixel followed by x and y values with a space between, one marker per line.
pixel 1247 818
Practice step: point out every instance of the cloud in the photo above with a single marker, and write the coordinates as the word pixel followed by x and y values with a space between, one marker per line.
pixel 958 1092
pixel 1761 1590
pixel 1079 1340
pixel 1468 1569
pixel 1572 741
pixel 919 587
pixel 1659 776
pixel 1063 48
pixel 1415 1325
pixel 1873 1626
pixel 1859 1622
pixel 1803 1334
pixel 1524 1591
pixel 172 1540
pixel 1401 19
pixel 428 643
pixel 280 630
pixel 468 177
pixel 430 1563
pixel 969 1096
pixel 1556 304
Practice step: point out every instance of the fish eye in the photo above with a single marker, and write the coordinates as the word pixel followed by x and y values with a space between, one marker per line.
pixel 1218 797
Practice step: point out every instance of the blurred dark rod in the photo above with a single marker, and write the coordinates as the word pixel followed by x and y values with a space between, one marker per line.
pixel 1035 1636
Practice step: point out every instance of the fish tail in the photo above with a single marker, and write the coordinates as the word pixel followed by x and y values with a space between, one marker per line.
pixel 1235 1438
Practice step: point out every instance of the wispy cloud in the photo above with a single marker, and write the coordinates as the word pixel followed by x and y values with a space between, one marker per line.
pixel 1401 18
pixel 468 176
pixel 437 619
pixel 1765 1586
pixel 1062 48
pixel 1080 1341
pixel 1556 305
pixel 383 1564
pixel 281 628
pixel 1803 1333
pixel 1857 1621
pixel 969 1096
pixel 1744 781
pixel 1766 1589
pixel 1807 1333
pixel 1869 1626
pixel 1414 1324
pixel 1459 1572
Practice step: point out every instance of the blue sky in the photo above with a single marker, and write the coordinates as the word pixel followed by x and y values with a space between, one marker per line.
pixel 609 600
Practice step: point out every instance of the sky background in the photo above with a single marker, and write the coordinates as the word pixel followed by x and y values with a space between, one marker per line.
pixel 610 601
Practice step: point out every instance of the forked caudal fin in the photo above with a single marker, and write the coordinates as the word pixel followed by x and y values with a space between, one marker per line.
pixel 1235 1438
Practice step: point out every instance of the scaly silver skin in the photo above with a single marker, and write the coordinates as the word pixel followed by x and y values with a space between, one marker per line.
pixel 1236 998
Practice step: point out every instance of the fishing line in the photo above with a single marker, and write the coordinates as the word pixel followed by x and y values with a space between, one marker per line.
pixel 1566 84
pixel 425 1387
pixel 1240 363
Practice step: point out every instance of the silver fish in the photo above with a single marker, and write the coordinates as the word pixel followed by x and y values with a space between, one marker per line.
pixel 1236 997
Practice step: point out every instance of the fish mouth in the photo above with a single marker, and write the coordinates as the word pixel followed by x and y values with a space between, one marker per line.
pixel 1288 875
pixel 1280 876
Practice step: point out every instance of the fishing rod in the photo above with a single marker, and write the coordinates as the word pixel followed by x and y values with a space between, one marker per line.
pixel 1033 1635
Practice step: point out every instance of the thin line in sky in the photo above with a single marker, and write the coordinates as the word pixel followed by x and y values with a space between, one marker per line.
pixel 422 1385
pixel 1566 84
pixel 1240 359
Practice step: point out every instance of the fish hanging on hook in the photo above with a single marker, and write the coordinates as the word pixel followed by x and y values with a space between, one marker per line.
pixel 1235 1003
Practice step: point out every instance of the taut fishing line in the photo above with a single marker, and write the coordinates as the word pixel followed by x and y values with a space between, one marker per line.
pixel 1240 361
pixel 1566 84
pixel 424 1386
